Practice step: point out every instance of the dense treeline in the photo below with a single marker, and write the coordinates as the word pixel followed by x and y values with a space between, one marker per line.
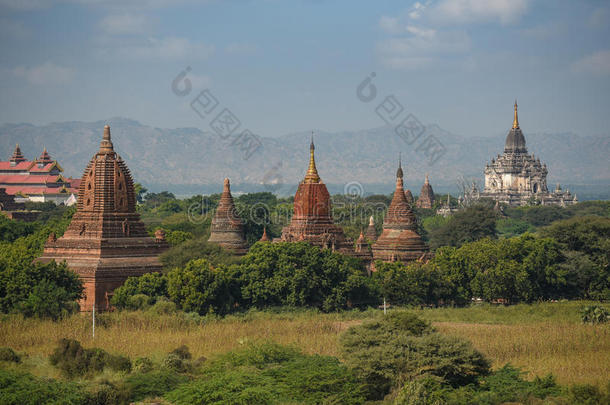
pixel 475 258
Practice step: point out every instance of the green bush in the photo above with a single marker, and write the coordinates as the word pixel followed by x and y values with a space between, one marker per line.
pixel 270 374
pixel 20 388
pixel 75 361
pixel 173 362
pixel 152 384
pixel 8 354
pixel 594 314
pixel 182 352
pixel 386 352
pixel 142 365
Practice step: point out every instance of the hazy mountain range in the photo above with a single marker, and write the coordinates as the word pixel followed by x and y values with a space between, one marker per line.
pixel 188 160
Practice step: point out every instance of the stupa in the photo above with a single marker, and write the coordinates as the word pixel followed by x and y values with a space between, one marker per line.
pixel 227 226
pixel 409 196
pixel 106 241
pixel 312 218
pixel 371 232
pixel 399 240
pixel 426 196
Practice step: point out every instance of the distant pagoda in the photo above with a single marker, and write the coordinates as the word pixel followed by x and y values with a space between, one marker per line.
pixel 426 196
pixel 517 178
pixel 409 196
pixel 227 226
pixel 399 240
pixel 312 218
pixel 106 241
pixel 371 232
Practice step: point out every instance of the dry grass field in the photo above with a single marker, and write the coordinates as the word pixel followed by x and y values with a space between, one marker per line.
pixel 541 338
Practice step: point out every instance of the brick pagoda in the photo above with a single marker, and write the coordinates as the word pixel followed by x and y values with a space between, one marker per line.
pixel 399 240
pixel 312 217
pixel 227 226
pixel 106 242
pixel 371 232
pixel 409 196
pixel 426 196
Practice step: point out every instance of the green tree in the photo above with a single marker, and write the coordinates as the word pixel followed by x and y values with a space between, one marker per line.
pixel 201 288
pixel 473 223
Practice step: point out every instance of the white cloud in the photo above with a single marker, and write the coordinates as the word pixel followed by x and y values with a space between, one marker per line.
pixel 597 63
pixel 47 73
pixel 469 11
pixel 120 24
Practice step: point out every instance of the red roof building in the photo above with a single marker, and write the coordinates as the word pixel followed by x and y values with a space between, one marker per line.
pixel 39 180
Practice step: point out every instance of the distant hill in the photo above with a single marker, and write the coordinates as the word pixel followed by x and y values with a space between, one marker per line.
pixel 189 160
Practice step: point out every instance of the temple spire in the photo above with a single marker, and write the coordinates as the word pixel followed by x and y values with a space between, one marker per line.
pixel 516 118
pixel 399 172
pixel 106 144
pixel 17 155
pixel 312 173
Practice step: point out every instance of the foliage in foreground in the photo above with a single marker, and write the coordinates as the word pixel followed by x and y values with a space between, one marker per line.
pixel 400 347
pixel 76 361
pixel 271 374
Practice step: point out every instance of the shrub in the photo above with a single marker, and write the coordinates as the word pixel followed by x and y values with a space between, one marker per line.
pixel 19 388
pixel 182 352
pixel 152 384
pixel 173 362
pixel 399 347
pixel 142 365
pixel 163 307
pixel 139 301
pixel 8 354
pixel 269 373
pixel 74 360
pixel 594 314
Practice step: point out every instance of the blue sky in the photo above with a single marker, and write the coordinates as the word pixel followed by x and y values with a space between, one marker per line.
pixel 285 66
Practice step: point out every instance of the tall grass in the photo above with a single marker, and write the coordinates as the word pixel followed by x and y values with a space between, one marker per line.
pixel 541 338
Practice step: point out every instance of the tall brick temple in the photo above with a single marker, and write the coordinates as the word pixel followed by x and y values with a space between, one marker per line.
pixel 399 240
pixel 227 227
pixel 312 217
pixel 106 242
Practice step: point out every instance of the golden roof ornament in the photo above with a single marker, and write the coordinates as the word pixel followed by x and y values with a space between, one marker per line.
pixel 312 173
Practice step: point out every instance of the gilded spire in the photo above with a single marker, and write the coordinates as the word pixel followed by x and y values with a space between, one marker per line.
pixel 516 119
pixel 312 173
pixel 106 144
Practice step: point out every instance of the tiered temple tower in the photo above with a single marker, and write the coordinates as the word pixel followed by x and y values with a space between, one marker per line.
pixel 399 240
pixel 426 196
pixel 105 242
pixel 312 218
pixel 227 226
pixel 518 178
